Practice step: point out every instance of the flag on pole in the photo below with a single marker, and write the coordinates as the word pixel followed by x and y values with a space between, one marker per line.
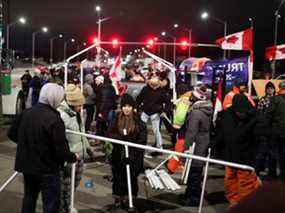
pixel 275 52
pixel 218 102
pixel 237 41
pixel 116 75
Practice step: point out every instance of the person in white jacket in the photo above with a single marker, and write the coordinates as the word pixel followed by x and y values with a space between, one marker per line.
pixel 69 111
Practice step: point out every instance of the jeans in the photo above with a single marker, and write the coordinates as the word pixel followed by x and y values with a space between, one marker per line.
pixel 89 115
pixel 48 185
pixel 155 122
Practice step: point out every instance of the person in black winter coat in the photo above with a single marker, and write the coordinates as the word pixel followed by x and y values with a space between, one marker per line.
pixel 126 126
pixel 263 134
pixel 198 132
pixel 42 150
pixel 105 103
pixel 276 116
pixel 237 134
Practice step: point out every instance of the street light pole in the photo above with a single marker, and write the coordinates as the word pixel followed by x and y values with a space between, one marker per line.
pixel 277 17
pixel 51 47
pixel 206 15
pixel 225 34
pixel 174 51
pixel 190 41
pixel 44 30
pixel 174 47
pixel 64 50
pixel 51 51
pixel 8 37
pixel 98 10
pixel 33 48
pixel 225 23
pixel 251 23
pixel 21 20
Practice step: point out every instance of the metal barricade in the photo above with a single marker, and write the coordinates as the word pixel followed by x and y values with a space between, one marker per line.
pixel 126 144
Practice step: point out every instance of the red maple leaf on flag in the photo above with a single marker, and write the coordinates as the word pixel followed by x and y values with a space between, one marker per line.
pixel 232 39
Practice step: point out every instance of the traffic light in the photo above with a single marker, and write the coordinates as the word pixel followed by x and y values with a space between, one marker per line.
pixel 150 43
pixel 184 44
pixel 95 40
pixel 115 42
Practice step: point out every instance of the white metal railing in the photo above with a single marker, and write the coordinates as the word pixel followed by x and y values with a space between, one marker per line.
pixel 126 144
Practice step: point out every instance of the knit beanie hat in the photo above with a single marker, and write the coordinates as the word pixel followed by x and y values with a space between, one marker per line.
pixel 128 100
pixel 74 96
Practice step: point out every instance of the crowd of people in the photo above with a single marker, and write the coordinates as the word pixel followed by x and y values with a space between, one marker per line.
pixel 246 132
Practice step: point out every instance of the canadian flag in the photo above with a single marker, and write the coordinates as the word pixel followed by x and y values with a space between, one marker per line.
pixel 218 103
pixel 237 41
pixel 275 52
pixel 116 75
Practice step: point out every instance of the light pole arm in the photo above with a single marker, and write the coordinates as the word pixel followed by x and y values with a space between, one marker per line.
pixel 218 20
pixel 103 19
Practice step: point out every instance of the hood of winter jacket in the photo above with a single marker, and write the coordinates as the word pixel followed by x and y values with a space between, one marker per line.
pixel 204 106
pixel 51 94
pixel 66 108
pixel 89 79
pixel 241 104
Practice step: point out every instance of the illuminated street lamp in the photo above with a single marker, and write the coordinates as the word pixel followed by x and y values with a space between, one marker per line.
pixel 65 47
pixel 98 9
pixel 22 21
pixel 42 30
pixel 205 16
pixel 60 36
pixel 174 46
pixel 189 30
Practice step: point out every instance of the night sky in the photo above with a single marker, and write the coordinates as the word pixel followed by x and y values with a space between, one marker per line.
pixel 134 20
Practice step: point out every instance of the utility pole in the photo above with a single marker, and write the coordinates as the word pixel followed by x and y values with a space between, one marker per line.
pixel 4 20
pixel 1 47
